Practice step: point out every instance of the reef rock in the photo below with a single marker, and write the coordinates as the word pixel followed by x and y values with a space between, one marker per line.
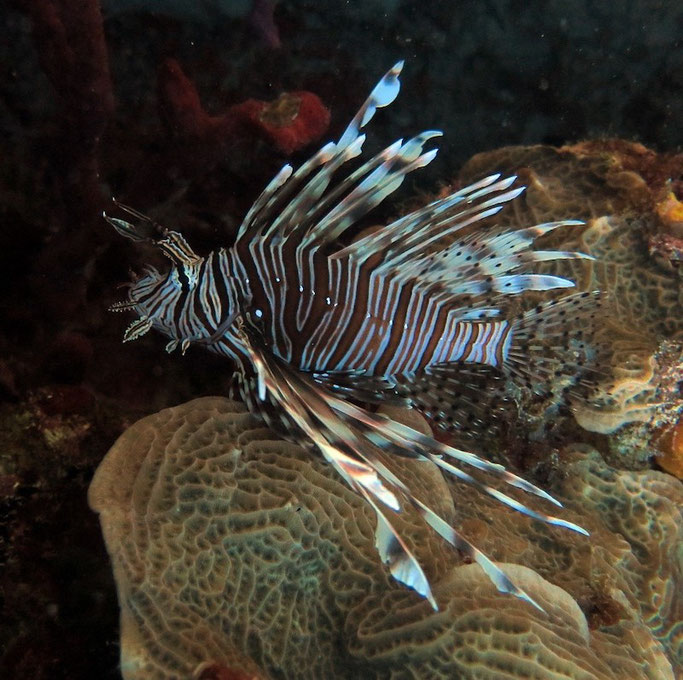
pixel 237 555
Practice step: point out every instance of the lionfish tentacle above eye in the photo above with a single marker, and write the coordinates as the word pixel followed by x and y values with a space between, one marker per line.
pixel 127 229
pixel 171 243
pixel 415 314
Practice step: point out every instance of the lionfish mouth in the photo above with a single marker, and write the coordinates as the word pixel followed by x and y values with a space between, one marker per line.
pixel 123 306
pixel 126 305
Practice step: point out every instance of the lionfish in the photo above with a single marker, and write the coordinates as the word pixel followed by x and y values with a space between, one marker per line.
pixel 411 314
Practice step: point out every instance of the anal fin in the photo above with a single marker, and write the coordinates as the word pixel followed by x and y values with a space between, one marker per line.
pixel 469 399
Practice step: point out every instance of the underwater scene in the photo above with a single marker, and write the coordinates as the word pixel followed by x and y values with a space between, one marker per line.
pixel 341 340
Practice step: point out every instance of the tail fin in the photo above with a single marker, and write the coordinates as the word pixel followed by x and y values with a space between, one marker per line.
pixel 553 346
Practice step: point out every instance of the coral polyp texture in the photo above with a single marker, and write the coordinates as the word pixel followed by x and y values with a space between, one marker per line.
pixel 240 555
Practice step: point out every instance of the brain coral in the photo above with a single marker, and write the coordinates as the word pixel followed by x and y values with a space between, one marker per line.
pixel 237 555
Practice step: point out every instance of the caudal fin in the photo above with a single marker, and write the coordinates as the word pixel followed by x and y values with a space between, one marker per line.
pixel 554 346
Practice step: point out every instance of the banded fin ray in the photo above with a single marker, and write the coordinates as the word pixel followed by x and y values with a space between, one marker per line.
pixel 392 437
pixel 370 192
pixel 337 424
pixel 286 181
pixel 294 205
pixel 496 575
pixel 458 396
pixel 403 440
pixel 500 244
pixel 270 215
pixel 395 553
pixel 304 216
pixel 481 264
pixel 477 264
pixel 358 385
pixel 298 211
pixel 289 220
pixel 267 196
pixel 315 418
pixel 382 95
pixel 449 213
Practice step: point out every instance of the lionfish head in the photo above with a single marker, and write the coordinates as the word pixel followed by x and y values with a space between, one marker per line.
pixel 155 295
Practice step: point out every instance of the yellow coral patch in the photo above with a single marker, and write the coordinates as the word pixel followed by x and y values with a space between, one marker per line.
pixel 670 210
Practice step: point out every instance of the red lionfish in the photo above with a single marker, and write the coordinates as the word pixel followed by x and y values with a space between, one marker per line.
pixel 315 328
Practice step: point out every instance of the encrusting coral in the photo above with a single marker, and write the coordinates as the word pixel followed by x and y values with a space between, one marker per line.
pixel 290 122
pixel 619 202
pixel 239 555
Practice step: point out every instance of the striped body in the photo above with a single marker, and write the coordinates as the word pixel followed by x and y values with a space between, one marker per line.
pixel 336 315
pixel 413 312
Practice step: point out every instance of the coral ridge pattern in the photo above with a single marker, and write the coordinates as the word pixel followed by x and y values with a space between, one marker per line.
pixel 241 553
